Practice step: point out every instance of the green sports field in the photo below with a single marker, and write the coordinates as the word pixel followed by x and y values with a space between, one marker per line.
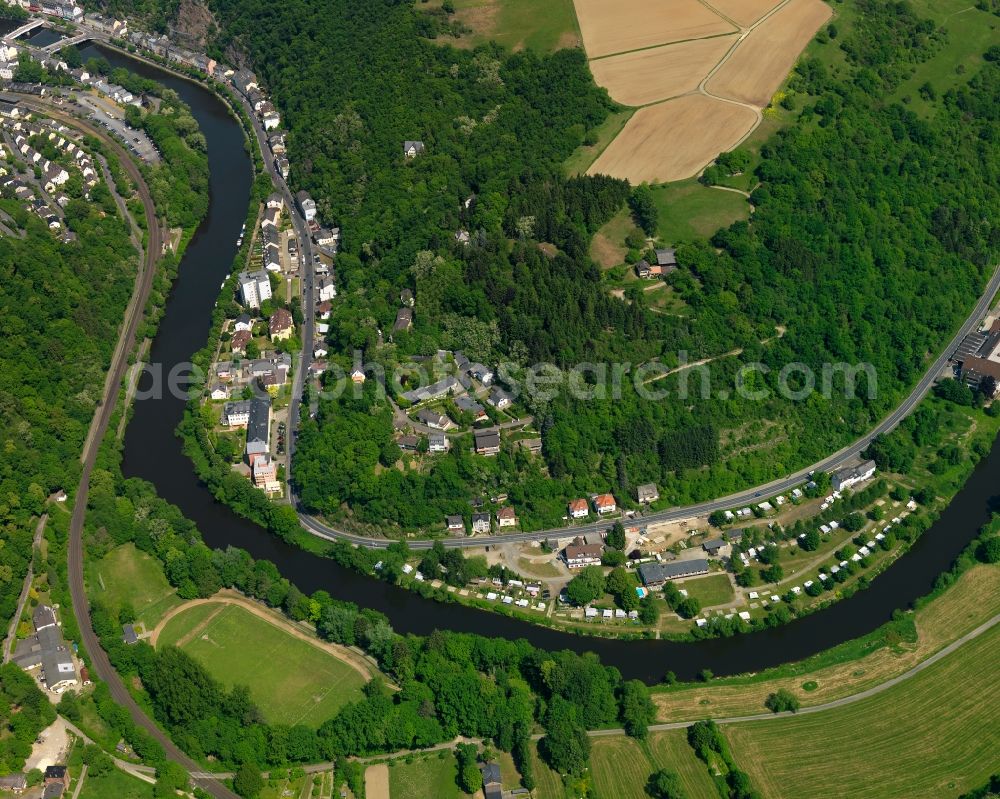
pixel 713 589
pixel 292 681
pixel 934 735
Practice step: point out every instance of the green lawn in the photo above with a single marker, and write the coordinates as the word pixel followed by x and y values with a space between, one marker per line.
pixel 934 735
pixel 127 575
pixel 292 681
pixel 115 784
pixel 714 589
pixel 430 778
pixel 584 155
pixel 671 750
pixel 689 210
pixel 539 25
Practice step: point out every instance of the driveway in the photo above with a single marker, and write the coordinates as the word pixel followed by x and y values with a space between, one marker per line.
pixel 53 748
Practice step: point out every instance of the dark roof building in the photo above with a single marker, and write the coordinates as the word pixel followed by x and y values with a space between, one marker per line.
pixel 656 574
pixel 129 635
pixel 712 547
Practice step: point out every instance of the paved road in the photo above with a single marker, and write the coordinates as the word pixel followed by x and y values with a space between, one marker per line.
pixel 126 342
pixel 833 462
pixel 8 644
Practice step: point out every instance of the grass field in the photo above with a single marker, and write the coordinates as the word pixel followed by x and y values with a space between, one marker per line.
pixel 689 210
pixel 934 735
pixel 621 766
pixel 127 575
pixel 970 33
pixel 714 589
pixel 117 784
pixel 581 159
pixel 430 778
pixel 671 750
pixel 292 681
pixel 548 784
pixel 540 25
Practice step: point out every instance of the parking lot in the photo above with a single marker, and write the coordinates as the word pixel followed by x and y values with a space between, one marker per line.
pixel 105 114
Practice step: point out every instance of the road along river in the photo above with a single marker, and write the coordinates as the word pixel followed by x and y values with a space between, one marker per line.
pixel 153 452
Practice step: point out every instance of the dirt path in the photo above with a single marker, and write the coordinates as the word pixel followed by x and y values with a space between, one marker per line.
pixel 377 782
pixel 200 628
pixel 230 598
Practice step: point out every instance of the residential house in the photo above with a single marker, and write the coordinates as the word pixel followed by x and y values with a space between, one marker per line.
pixel 442 388
pixel 437 442
pixel 713 547
pixel 307 205
pixel 455 524
pixel 582 552
pixel 219 392
pixel 258 428
pixel 255 287
pixel 654 575
pixel 238 343
pixel 406 298
pixel 325 237
pixel 578 509
pixel 325 289
pixel 275 201
pixel 642 269
pixel 468 405
pixel 236 414
pixel 265 474
pixel 481 523
pixel 605 503
pixel 408 443
pixel 271 218
pixel 432 418
pixel 532 445
pixel 647 493
pixel 224 371
pixel 487 442
pixel 506 517
pixel 492 783
pixel 499 398
pixel 323 309
pixel 56 775
pixel 847 478
pixel 243 322
pixel 482 373
pixel 404 320
pixel 462 237
pixel 283 166
pixel 411 149
pixel 129 635
pixel 280 325
pixel 270 118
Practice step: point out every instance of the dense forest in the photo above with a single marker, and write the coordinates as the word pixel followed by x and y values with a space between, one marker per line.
pixel 871 238
pixel 60 307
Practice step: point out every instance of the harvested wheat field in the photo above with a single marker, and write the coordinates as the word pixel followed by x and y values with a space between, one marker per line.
pixel 755 71
pixel 377 782
pixel 646 76
pixel 617 26
pixel 743 12
pixel 674 140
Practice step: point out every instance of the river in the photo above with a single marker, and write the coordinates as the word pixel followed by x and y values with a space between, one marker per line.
pixel 153 452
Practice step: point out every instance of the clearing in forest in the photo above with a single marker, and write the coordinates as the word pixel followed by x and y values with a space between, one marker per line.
pixel 663 56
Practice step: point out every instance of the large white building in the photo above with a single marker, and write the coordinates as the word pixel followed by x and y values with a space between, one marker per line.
pixel 255 287
pixel 847 478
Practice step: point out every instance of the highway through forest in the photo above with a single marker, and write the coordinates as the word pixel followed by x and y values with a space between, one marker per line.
pixel 750 496
pixel 119 362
